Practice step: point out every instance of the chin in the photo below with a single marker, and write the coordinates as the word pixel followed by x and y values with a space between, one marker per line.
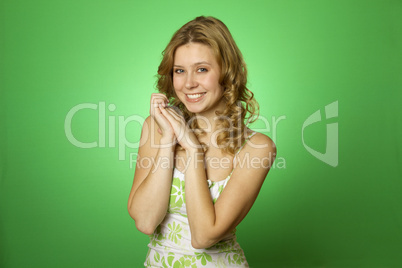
pixel 194 110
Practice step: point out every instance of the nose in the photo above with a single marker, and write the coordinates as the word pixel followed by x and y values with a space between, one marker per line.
pixel 191 81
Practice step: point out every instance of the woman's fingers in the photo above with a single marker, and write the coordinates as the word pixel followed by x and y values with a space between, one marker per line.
pixel 174 113
pixel 158 98
pixel 173 119
pixel 166 113
pixel 158 101
pixel 176 121
pixel 184 135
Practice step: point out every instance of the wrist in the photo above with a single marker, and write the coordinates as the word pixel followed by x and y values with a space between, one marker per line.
pixel 194 150
pixel 197 158
pixel 192 144
pixel 167 141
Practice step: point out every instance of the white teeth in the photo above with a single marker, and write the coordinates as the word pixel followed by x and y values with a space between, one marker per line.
pixel 194 96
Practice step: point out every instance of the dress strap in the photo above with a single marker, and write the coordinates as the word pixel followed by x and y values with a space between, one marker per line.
pixel 241 147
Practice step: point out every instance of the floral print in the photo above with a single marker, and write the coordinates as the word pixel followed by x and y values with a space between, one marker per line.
pixel 170 244
pixel 177 195
pixel 174 234
pixel 204 257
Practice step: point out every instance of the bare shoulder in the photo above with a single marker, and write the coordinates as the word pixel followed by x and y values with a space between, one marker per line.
pixel 258 153
pixel 262 145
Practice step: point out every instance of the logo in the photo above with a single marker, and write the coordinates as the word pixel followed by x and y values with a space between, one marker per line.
pixel 111 136
pixel 330 156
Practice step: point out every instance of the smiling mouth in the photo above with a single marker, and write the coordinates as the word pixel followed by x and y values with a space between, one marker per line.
pixel 195 97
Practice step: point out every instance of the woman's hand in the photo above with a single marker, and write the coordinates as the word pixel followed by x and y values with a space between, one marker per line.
pixel 184 135
pixel 158 102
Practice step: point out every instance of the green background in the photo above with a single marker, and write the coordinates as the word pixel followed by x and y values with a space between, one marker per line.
pixel 64 206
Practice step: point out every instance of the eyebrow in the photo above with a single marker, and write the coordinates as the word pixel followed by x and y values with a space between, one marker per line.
pixel 197 63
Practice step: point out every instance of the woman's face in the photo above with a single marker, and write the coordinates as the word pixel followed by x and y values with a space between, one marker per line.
pixel 196 78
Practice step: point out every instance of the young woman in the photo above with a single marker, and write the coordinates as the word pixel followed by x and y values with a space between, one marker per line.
pixel 199 168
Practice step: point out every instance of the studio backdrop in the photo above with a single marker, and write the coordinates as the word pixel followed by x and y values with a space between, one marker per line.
pixel 76 80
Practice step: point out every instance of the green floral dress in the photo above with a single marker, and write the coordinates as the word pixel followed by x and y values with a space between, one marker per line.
pixel 170 244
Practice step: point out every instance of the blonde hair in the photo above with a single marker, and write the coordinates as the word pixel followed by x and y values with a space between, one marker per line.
pixel 240 102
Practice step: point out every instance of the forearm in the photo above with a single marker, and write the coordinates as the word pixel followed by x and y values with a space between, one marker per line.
pixel 150 202
pixel 200 208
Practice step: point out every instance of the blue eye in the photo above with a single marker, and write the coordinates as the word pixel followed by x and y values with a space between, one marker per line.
pixel 179 71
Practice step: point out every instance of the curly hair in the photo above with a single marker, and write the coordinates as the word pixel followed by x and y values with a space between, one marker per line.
pixel 240 102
